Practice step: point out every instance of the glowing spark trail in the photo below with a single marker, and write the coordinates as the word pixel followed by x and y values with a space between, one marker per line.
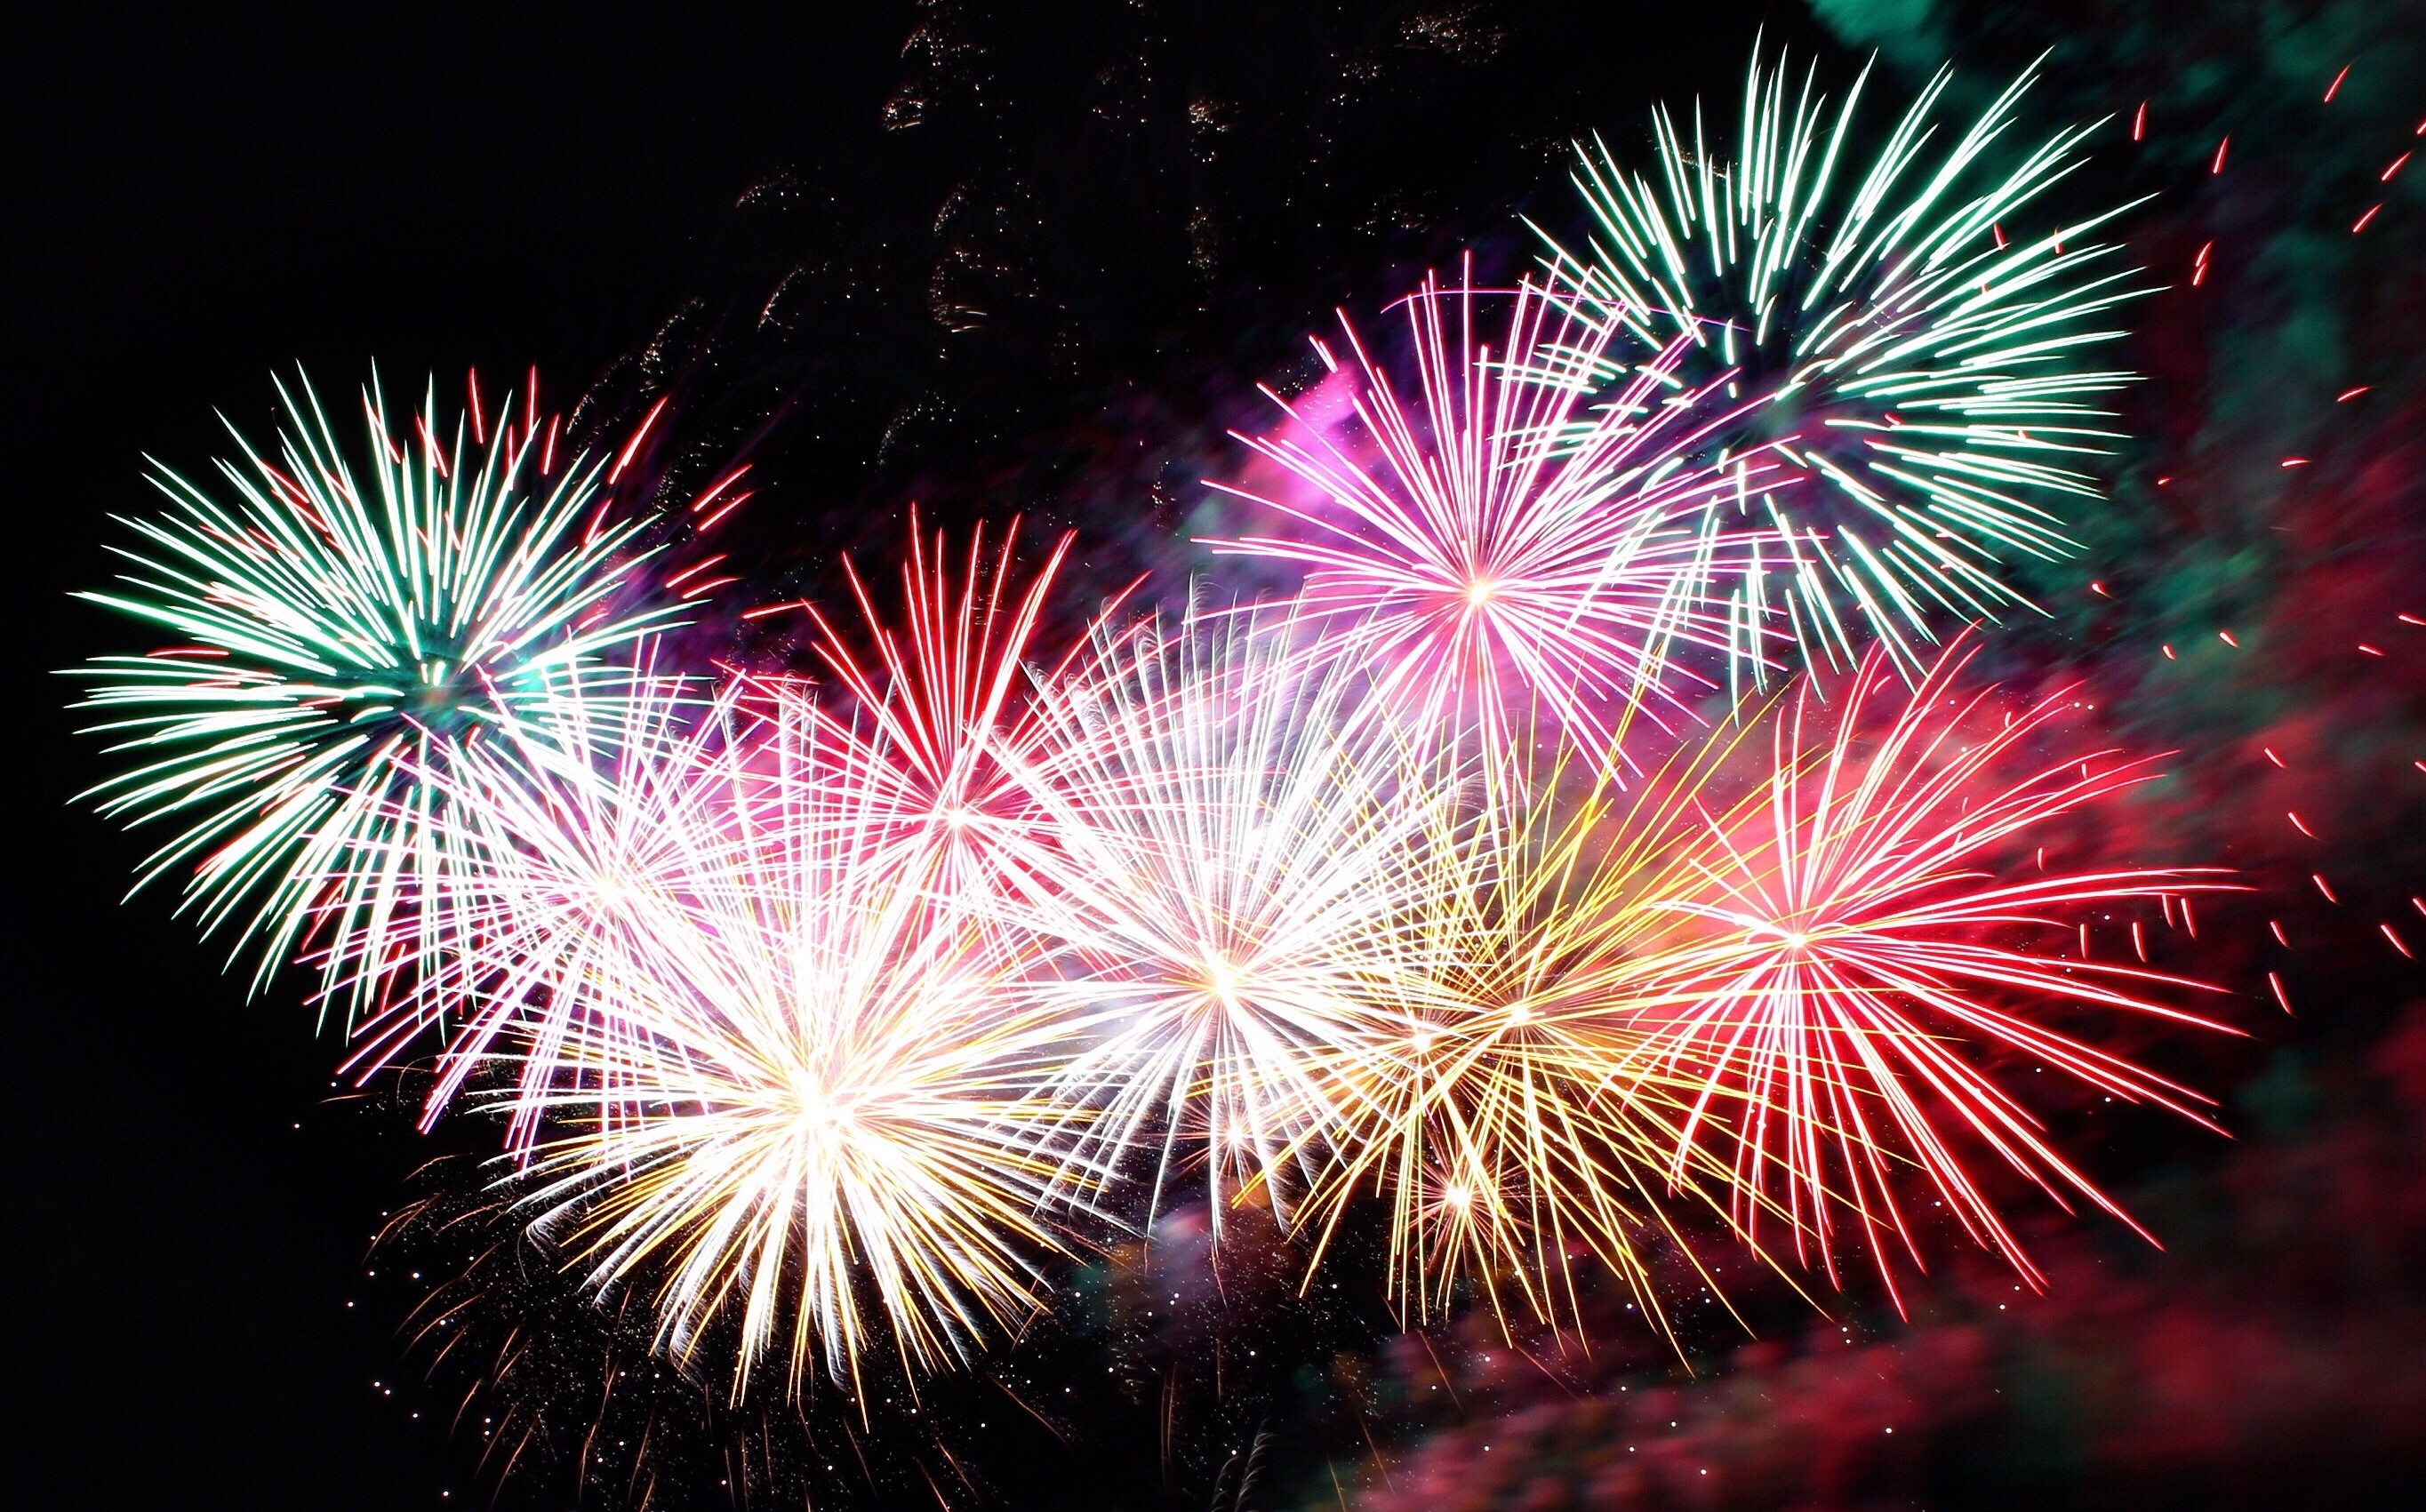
pixel 1919 371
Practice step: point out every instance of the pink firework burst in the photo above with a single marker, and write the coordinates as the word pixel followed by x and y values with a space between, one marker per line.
pixel 1516 542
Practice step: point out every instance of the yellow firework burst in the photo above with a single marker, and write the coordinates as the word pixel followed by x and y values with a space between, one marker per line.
pixel 798 1111
pixel 1502 1098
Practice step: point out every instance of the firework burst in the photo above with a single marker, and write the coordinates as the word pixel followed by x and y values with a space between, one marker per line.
pixel 1235 874
pixel 1506 1103
pixel 348 624
pixel 1908 335
pixel 1518 543
pixel 1852 940
pixel 797 1106
pixel 940 718
pixel 572 843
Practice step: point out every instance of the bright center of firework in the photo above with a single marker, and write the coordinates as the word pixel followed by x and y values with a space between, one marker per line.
pixel 1221 979
pixel 616 892
pixel 1478 593
pixel 1520 1013
pixel 1796 939
pixel 815 1111
pixel 436 693
pixel 1457 1197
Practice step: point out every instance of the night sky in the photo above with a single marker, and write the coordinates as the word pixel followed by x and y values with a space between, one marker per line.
pixel 938 253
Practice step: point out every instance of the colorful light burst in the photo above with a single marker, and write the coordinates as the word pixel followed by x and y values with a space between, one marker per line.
pixel 1235 879
pixel 572 843
pixel 821 1018
pixel 1516 542
pixel 1502 1098
pixel 942 717
pixel 1850 948
pixel 349 620
pixel 796 1109
pixel 1905 331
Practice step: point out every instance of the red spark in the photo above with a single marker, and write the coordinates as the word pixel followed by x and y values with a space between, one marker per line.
pixel 692 571
pixel 709 496
pixel 632 447
pixel 764 610
pixel 730 504
pixel 2335 88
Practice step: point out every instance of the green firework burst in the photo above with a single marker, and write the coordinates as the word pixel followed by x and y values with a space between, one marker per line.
pixel 348 620
pixel 1912 335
